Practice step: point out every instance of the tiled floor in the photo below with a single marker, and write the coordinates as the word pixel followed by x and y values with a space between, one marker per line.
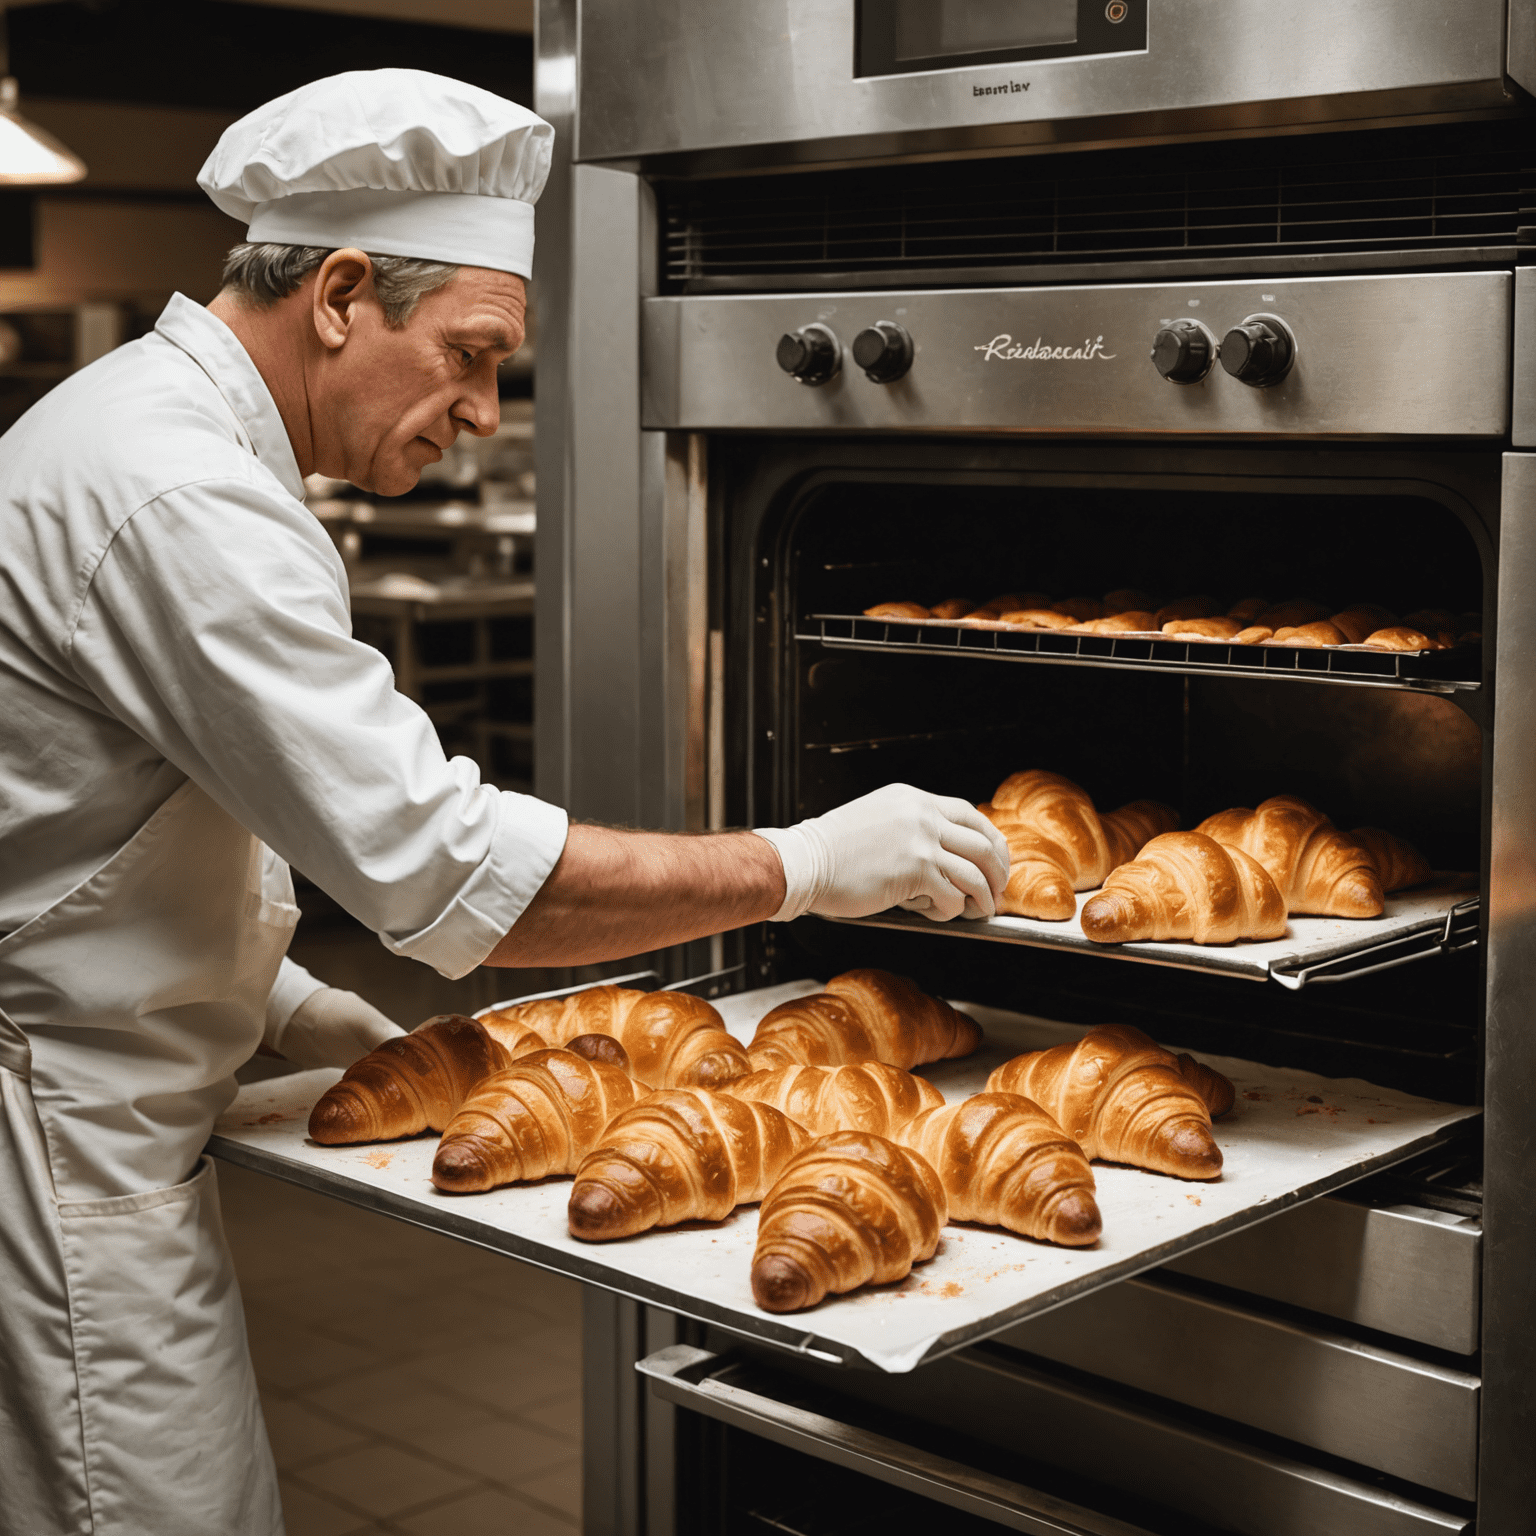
pixel 413 1385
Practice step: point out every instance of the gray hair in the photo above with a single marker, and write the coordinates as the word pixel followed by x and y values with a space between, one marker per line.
pixel 263 274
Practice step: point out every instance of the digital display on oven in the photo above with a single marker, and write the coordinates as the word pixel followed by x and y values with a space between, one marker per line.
pixel 898 37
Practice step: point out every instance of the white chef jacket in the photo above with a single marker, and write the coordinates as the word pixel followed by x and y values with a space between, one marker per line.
pixel 169 610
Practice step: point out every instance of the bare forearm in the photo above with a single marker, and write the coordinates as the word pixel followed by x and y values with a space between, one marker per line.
pixel 616 893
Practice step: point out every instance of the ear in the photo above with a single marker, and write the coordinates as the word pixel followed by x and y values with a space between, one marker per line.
pixel 343 278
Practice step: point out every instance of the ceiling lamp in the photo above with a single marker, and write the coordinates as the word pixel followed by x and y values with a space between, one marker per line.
pixel 29 156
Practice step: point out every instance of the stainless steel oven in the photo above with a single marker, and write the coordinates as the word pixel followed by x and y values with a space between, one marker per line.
pixel 849 303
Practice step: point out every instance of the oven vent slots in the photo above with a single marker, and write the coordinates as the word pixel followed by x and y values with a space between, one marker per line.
pixel 1468 188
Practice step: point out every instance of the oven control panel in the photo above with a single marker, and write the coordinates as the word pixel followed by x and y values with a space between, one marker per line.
pixel 1326 356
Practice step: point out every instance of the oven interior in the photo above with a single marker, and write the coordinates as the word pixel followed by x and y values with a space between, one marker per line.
pixel 825 724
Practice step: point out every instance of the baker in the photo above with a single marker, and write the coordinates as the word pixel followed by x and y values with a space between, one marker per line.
pixel 186 713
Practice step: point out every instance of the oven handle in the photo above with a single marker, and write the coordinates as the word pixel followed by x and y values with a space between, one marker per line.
pixel 693 1378
pixel 1459 933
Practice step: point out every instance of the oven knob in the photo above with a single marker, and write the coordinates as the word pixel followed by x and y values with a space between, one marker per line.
pixel 1183 351
pixel 883 351
pixel 812 354
pixel 1260 351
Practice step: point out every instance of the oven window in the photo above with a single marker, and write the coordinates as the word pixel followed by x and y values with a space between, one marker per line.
pixel 909 36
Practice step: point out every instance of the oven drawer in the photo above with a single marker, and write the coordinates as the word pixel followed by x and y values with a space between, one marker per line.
pixel 1406 1270
pixel 1381 1408
pixel 1084 1435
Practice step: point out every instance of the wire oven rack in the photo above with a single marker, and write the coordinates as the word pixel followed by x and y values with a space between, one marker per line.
pixel 1440 672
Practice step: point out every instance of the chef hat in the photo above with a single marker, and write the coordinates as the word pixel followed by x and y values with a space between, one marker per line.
pixel 398 162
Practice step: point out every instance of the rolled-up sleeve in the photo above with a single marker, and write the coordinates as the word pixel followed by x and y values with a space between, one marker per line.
pixel 216 625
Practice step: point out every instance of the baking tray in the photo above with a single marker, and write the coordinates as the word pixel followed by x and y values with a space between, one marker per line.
pixel 1293 1136
pixel 1416 925
pixel 1453 671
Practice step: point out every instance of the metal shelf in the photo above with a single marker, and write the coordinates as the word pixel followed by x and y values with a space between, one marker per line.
pixel 1315 950
pixel 1421 671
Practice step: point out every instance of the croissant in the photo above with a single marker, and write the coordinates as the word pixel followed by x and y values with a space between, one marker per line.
pixel 673 1039
pixel 1255 634
pixel 851 1209
pixel 1134 621
pixel 1186 886
pixel 869 1096
pixel 1201 607
pixel 951 608
pixel 1005 1163
pixel 1121 1097
pixel 683 1154
pixel 409 1084
pixel 1036 618
pixel 1058 844
pixel 1249 608
pixel 515 1038
pixel 896 611
pixel 1204 629
pixel 1311 636
pixel 1360 620
pixel 863 1016
pixel 1397 862
pixel 1399 637
pixel 1317 868
pixel 1007 602
pixel 1216 1090
pixel 539 1116
pixel 1080 608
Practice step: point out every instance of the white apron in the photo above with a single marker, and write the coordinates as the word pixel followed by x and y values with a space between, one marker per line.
pixel 127 1401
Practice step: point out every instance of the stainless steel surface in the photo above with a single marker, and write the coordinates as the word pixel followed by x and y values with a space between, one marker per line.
pixel 1520 54
pixel 1235 1485
pixel 686 1376
pixel 1379 1407
pixel 1507 1491
pixel 1301 962
pixel 1351 666
pixel 1385 357
pixel 737 76
pixel 1406 1270
pixel 1522 404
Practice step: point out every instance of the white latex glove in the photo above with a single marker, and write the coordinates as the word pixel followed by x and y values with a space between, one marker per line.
pixel 897 847
pixel 331 1028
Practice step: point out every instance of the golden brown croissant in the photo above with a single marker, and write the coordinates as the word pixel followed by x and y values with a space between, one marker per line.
pixel 1122 1098
pixel 951 608
pixel 1134 621
pixel 684 1154
pixel 1397 862
pixel 673 1039
pixel 1255 634
pixel 851 1209
pixel 1036 618
pixel 1005 1163
pixel 1360 620
pixel 1311 636
pixel 1058 844
pixel 1007 601
pixel 410 1084
pixel 1200 607
pixel 896 611
pixel 1204 629
pixel 1216 1090
pixel 515 1038
pixel 1249 608
pixel 863 1016
pixel 1317 868
pixel 1080 608
pixel 538 1117
pixel 1186 886
pixel 1399 637
pixel 869 1096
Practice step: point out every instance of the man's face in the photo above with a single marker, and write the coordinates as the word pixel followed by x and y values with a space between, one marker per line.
pixel 387 403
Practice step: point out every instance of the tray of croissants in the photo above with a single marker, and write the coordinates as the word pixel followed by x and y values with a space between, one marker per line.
pixel 858 1168
pixel 1301 622
pixel 1256 891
